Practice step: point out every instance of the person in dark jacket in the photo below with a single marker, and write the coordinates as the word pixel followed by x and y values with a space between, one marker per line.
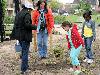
pixel 23 33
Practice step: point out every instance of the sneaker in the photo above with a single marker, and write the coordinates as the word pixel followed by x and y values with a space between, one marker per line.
pixel 77 72
pixel 43 57
pixel 85 60
pixel 90 61
pixel 22 73
pixel 71 70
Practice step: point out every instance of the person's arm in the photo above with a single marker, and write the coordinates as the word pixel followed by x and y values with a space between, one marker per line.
pixel 50 19
pixel 28 23
pixel 93 30
pixel 34 17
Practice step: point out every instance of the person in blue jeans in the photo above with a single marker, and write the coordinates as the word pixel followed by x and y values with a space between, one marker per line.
pixel 25 50
pixel 89 34
pixel 43 18
pixel 22 32
pixel 42 43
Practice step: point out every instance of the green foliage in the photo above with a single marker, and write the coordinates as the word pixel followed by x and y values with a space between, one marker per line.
pixel 58 51
pixel 54 5
pixel 4 7
pixel 59 19
pixel 83 6
pixel 9 19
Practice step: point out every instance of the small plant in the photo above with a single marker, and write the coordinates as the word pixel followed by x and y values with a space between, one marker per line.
pixel 56 32
pixel 58 51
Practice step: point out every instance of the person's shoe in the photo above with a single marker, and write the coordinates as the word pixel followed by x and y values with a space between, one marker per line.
pixel 90 61
pixel 85 60
pixel 71 70
pixel 43 57
pixel 77 72
pixel 22 72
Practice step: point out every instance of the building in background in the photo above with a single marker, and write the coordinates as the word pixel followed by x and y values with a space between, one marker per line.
pixel 10 6
pixel 97 8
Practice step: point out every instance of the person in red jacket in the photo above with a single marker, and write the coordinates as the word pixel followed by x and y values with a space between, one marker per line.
pixel 43 19
pixel 75 43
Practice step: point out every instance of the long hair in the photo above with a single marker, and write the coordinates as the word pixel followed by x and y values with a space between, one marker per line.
pixel 38 5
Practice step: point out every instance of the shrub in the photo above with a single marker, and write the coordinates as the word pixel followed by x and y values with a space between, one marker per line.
pixel 59 19
pixel 9 19
pixel 58 51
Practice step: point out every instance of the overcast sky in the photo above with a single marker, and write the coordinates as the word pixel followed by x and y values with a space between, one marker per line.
pixel 66 1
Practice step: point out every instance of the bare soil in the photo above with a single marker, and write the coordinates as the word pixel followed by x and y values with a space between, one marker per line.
pixel 10 60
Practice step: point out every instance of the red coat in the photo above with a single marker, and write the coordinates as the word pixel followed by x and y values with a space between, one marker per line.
pixel 49 19
pixel 76 38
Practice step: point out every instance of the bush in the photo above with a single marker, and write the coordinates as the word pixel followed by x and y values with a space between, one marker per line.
pixel 59 19
pixel 9 19
pixel 58 51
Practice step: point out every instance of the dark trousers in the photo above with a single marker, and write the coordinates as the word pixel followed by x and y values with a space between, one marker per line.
pixel 25 50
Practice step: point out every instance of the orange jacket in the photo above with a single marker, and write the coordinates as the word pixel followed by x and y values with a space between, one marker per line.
pixel 49 19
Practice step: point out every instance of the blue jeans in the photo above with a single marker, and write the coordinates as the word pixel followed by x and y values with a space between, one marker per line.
pixel 74 53
pixel 25 50
pixel 42 41
pixel 88 47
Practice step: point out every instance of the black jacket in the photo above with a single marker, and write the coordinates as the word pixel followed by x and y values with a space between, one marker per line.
pixel 23 27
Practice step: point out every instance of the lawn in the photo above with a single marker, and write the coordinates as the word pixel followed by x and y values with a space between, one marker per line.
pixel 75 18
pixel 96 18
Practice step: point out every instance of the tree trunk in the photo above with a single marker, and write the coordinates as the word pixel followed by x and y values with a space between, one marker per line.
pixel 1 22
pixel 35 40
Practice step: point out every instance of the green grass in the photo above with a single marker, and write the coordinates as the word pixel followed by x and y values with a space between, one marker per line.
pixel 75 18
pixel 95 19
pixel 72 18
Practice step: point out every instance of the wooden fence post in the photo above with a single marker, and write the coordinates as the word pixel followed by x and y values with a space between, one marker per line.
pixel 35 40
pixel 51 41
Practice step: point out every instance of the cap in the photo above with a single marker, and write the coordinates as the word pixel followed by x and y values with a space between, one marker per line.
pixel 29 5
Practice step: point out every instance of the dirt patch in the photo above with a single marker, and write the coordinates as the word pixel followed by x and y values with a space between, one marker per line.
pixel 10 62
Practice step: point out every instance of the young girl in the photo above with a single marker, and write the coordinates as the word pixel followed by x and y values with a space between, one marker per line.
pixel 89 34
pixel 75 43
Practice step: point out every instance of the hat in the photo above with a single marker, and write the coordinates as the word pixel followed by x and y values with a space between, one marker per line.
pixel 29 5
